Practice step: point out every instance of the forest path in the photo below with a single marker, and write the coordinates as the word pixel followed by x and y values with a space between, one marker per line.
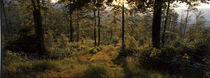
pixel 106 55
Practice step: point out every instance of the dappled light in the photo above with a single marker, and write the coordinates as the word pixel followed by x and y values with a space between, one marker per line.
pixel 105 39
pixel 120 2
pixel 54 1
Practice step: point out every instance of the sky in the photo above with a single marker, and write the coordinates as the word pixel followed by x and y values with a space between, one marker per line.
pixel 54 1
pixel 203 7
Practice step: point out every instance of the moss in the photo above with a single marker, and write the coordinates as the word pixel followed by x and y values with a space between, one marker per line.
pixel 94 50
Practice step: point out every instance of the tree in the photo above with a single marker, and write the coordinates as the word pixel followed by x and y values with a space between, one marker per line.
pixel 95 22
pixel 38 26
pixel 95 36
pixel 77 21
pixel 70 23
pixel 98 5
pixel 3 13
pixel 156 23
pixel 186 21
pixel 166 20
pixel 73 5
pixel 123 27
pixel 99 27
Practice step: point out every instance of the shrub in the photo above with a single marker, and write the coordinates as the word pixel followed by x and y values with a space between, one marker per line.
pixel 17 70
pixel 11 57
pixel 13 65
pixel 131 46
pixel 59 53
pixel 26 44
pixel 172 59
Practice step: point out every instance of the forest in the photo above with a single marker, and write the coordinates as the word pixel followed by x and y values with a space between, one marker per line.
pixel 104 39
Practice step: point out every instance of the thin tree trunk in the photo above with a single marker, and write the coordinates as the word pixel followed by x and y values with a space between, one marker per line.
pixel 112 28
pixel 2 50
pixel 123 27
pixel 166 20
pixel 181 25
pixel 99 30
pixel 111 34
pixel 94 13
pixel 45 17
pixel 78 28
pixel 186 21
pixel 71 29
pixel 5 18
pixel 38 26
pixel 156 24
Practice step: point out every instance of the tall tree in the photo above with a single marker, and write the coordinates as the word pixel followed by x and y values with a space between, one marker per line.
pixel 72 6
pixel 95 36
pixel 166 20
pixel 98 5
pixel 71 30
pixel 123 27
pixel 99 27
pixel 38 26
pixel 156 23
pixel 95 22
pixel 186 22
pixel 3 14
pixel 77 21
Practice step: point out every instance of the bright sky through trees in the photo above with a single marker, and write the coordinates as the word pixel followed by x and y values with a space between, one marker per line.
pixel 119 2
pixel 54 1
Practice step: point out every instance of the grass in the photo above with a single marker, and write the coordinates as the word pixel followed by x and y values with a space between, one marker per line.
pixel 82 65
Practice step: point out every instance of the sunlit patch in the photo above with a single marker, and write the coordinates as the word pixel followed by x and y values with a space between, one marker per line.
pixel 54 1
pixel 119 2
pixel 182 6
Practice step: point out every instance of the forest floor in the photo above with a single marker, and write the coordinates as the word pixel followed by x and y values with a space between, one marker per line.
pixel 86 65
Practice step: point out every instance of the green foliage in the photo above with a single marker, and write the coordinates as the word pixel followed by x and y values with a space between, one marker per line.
pixel 16 70
pixel 94 50
pixel 175 57
pixel 131 46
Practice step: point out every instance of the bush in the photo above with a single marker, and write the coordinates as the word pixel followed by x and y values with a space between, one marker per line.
pixel 17 70
pixel 131 46
pixel 60 53
pixel 178 59
pixel 26 44
pixel 13 65
pixel 11 57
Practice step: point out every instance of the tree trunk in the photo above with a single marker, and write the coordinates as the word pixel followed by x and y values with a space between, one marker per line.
pixel 156 24
pixel 186 21
pixel 5 30
pixel 95 43
pixel 71 29
pixel 38 26
pixel 166 20
pixel 99 27
pixel 45 16
pixel 123 27
pixel 78 28
pixel 111 33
